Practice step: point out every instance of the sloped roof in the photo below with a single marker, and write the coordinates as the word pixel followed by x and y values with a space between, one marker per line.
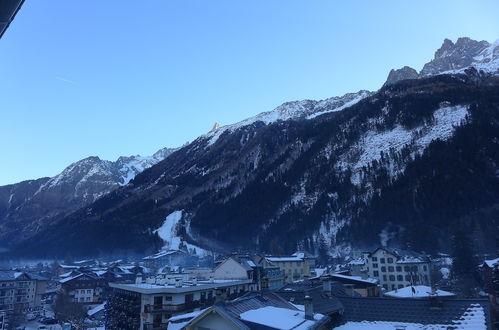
pixel 251 312
pixel 412 310
pixel 417 291
pixel 296 292
pixel 405 256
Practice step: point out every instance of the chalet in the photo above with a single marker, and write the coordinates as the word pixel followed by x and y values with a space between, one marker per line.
pixel 396 269
pixel 166 258
pixel 84 289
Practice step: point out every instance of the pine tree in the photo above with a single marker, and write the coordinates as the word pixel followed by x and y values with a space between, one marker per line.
pixel 464 264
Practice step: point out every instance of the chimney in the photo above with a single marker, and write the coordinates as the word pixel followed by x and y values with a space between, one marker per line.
pixel 348 289
pixel 195 281
pixel 178 282
pixel 309 308
pixel 212 280
pixel 138 279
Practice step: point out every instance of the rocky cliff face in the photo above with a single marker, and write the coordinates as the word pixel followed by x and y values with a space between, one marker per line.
pixel 401 74
pixel 454 58
pixel 30 205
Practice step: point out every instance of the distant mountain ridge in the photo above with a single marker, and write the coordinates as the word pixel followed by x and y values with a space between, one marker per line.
pixel 31 204
pixel 454 58
pixel 396 165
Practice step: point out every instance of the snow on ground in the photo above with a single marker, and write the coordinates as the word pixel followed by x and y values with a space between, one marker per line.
pixel 420 291
pixel 370 146
pixel 473 319
pixel 279 318
pixel 307 109
pixel 361 95
pixel 168 232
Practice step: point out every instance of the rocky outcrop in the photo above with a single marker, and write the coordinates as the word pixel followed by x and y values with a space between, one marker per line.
pixel 401 74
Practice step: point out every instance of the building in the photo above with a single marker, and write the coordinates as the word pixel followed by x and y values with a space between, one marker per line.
pixel 396 269
pixel 489 271
pixel 366 287
pixel 434 313
pixel 324 295
pixel 233 268
pixel 167 258
pixel 254 311
pixel 85 289
pixel 149 305
pixel 20 291
pixel 298 266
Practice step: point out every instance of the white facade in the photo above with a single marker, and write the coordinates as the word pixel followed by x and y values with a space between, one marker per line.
pixel 230 269
pixel 395 271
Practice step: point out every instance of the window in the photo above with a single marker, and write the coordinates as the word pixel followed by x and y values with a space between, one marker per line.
pixel 88 299
pixel 375 265
pixel 392 277
pixel 89 291
pixel 414 268
pixel 375 259
pixel 399 268
pixel 390 260
pixel 400 286
pixel 407 268
pixel 391 269
pixel 400 278
pixel 384 277
pixel 383 268
pixel 385 286
pixel 425 268
pixel 375 273
pixel 382 260
pixel 393 287
pixel 408 278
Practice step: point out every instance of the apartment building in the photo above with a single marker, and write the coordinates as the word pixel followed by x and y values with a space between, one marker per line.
pixel 148 305
pixel 396 268
pixel 298 266
pixel 20 290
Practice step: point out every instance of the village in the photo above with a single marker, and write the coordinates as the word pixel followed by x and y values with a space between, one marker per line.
pixel 173 289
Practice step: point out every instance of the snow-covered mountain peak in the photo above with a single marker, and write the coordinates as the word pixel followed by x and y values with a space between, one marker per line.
pixel 304 109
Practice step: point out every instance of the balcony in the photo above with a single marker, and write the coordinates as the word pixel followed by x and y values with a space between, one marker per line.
pixel 163 308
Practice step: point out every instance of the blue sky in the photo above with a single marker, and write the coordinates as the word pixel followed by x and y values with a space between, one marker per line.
pixel 119 77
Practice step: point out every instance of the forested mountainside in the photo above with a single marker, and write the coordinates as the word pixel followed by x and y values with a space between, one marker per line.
pixel 408 164
pixel 27 206
pixel 405 165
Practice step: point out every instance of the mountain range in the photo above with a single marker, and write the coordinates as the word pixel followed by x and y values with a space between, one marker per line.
pixel 406 165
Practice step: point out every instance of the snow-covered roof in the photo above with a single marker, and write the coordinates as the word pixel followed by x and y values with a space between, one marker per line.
pixel 491 263
pixel 417 291
pixel 356 278
pixel 280 318
pixel 96 309
pixel 283 259
pixel 473 318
